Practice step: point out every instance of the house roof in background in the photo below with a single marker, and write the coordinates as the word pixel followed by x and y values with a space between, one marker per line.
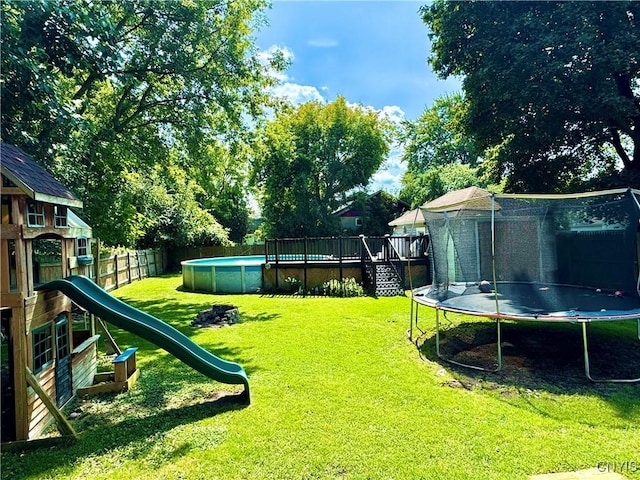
pixel 32 179
pixel 470 198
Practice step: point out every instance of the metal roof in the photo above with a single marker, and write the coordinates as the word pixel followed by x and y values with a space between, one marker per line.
pixel 32 179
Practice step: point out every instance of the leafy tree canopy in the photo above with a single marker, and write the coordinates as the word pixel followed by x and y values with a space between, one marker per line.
pixel 553 87
pixel 421 187
pixel 438 137
pixel 377 211
pixel 309 159
pixel 441 156
pixel 105 92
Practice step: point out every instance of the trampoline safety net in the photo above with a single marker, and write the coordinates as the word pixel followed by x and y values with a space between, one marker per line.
pixel 586 240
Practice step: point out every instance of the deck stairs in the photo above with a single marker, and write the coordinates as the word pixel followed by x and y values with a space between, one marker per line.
pixel 385 282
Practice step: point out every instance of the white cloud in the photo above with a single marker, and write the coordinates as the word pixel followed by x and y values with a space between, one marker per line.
pixel 297 94
pixel 286 89
pixel 389 175
pixel 393 113
pixel 322 43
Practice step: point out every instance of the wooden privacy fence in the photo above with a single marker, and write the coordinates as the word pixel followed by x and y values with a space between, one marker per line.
pixel 119 269
pixel 179 254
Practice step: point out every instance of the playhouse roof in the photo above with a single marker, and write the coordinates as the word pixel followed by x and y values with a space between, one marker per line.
pixel 32 179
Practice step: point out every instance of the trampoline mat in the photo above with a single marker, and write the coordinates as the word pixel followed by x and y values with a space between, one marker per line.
pixel 533 301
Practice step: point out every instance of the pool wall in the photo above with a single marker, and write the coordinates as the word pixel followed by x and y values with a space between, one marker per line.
pixel 222 275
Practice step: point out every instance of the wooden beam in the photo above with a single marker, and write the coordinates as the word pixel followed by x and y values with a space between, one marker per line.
pixel 34 232
pixel 19 339
pixel 23 445
pixel 64 426
pixel 111 342
pixel 9 232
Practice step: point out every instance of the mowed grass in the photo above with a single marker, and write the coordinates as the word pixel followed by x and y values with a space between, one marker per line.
pixel 338 391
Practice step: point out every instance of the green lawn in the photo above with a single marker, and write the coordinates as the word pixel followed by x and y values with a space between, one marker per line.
pixel 338 391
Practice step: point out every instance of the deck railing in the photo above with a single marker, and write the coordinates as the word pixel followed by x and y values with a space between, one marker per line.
pixel 345 249
pixel 362 252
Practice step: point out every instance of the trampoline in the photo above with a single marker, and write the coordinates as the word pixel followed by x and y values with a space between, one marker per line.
pixel 535 258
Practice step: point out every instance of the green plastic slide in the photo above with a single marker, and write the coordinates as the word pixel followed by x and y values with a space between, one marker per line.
pixel 96 300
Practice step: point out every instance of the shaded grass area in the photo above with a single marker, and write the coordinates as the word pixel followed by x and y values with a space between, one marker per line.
pixel 339 392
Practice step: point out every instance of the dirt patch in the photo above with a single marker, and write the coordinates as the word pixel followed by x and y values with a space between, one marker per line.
pixel 537 355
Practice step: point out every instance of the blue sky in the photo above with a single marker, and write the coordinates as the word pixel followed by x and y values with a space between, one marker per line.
pixel 373 53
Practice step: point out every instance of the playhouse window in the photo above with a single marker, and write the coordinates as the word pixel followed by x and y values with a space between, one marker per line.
pixel 35 214
pixel 358 222
pixel 60 216
pixel 42 348
pixel 82 246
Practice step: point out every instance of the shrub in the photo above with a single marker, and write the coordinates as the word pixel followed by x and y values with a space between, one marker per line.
pixel 348 287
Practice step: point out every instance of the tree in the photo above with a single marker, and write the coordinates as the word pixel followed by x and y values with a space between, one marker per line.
pixel 101 90
pixel 438 137
pixel 220 170
pixel 309 159
pixel 440 155
pixel 377 211
pixel 550 85
pixel 421 187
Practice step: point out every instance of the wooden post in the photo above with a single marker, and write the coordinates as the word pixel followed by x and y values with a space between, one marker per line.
pixel 305 250
pixel 64 426
pixel 19 344
pixel 275 255
pixel 96 261
pixel 386 248
pixel 146 261
pixel 340 257
pixel 110 343
pixel 115 263
pixel 129 275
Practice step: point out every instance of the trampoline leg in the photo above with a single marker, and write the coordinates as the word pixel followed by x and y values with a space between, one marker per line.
pixel 410 331
pixel 587 371
pixel 466 365
pixel 499 341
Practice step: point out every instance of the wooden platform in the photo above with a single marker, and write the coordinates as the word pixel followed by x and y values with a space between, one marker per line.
pixel 123 377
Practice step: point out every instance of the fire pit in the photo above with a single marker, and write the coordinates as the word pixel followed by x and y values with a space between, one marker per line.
pixel 217 316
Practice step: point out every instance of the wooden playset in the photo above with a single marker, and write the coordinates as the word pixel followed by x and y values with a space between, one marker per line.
pixel 45 359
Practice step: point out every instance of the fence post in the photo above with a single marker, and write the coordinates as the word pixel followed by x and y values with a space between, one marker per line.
pixel 129 267
pixel 275 251
pixel 305 252
pixel 96 262
pixel 386 248
pixel 115 263
pixel 340 257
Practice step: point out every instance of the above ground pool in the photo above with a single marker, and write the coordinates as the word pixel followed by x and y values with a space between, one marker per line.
pixel 223 274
